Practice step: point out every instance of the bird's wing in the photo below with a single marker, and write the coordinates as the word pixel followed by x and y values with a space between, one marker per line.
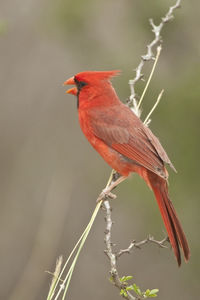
pixel 123 131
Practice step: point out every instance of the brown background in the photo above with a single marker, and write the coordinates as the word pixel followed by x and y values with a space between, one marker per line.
pixel 50 176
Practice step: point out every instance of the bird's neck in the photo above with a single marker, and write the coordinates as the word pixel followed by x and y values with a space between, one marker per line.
pixel 98 97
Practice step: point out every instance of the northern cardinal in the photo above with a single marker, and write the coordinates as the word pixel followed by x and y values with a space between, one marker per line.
pixel 126 144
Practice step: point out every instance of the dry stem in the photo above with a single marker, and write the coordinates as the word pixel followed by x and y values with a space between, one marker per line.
pixel 132 102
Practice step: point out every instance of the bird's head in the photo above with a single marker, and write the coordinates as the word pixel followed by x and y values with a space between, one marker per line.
pixel 90 84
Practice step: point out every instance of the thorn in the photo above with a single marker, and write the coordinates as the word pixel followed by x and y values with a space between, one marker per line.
pixel 112 244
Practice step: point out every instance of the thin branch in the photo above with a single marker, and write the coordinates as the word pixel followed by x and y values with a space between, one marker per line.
pixel 138 245
pixel 109 252
pixel 132 102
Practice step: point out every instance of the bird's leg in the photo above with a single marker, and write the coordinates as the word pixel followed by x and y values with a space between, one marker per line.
pixel 115 176
pixel 117 179
pixel 106 193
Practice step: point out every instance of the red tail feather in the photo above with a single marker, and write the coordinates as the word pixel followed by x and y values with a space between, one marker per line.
pixel 174 229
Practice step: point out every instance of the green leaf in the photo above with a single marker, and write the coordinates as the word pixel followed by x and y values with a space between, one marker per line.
pixel 147 292
pixel 122 279
pixel 129 288
pixel 137 289
pixel 154 291
pixel 121 292
pixel 125 278
pixel 129 277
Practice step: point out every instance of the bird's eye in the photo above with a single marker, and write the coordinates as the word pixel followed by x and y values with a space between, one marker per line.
pixel 79 84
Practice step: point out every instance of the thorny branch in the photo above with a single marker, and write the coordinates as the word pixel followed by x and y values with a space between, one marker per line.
pixel 113 257
pixel 133 103
pixel 138 245
pixel 109 252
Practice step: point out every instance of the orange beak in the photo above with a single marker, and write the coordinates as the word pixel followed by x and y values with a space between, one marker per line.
pixel 72 91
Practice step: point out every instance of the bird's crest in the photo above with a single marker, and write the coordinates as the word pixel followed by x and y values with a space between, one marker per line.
pixel 96 75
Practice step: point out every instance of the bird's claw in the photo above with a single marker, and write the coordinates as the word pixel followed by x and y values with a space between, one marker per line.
pixel 105 194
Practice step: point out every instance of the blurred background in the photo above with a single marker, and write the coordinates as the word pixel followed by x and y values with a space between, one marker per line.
pixel 50 175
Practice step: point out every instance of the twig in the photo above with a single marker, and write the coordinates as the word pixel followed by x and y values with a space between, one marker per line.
pixel 109 252
pixel 138 245
pixel 113 257
pixel 132 102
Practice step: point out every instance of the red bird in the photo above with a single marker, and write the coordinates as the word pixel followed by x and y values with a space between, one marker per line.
pixel 126 144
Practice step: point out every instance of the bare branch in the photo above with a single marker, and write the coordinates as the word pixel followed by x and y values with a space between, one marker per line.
pixel 132 102
pixel 138 245
pixel 109 252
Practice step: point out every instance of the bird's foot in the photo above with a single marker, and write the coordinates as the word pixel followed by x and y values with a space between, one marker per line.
pixel 105 194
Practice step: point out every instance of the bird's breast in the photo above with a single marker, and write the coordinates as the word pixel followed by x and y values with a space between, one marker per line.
pixel 117 161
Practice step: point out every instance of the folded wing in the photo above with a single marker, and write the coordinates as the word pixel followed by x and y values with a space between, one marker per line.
pixel 126 134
